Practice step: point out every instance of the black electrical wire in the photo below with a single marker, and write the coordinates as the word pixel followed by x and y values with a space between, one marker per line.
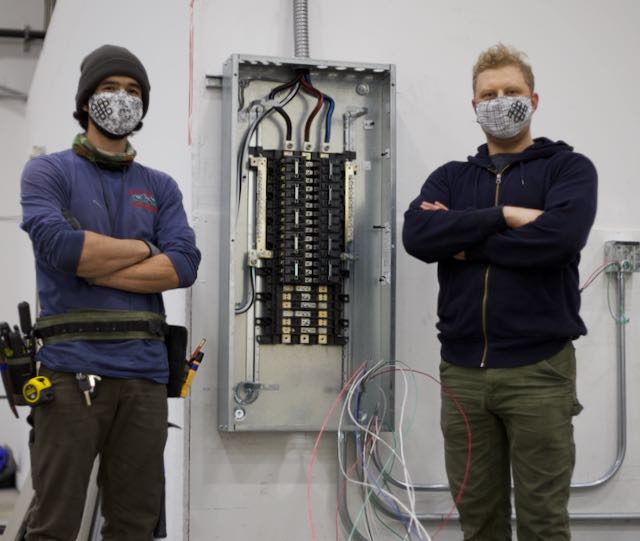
pixel 246 138
pixel 287 119
pixel 245 305
pixel 242 84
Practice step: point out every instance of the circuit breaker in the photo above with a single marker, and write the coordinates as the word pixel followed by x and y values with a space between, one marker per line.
pixel 309 233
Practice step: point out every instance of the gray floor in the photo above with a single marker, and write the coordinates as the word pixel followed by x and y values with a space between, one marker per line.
pixel 8 497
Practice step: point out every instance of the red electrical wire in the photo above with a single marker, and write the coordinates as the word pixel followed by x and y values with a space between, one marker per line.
pixel 597 273
pixel 467 468
pixel 310 89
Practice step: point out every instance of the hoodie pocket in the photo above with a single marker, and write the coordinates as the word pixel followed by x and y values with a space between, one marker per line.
pixel 460 299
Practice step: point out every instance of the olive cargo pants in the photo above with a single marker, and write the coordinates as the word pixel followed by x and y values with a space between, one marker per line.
pixel 127 426
pixel 521 423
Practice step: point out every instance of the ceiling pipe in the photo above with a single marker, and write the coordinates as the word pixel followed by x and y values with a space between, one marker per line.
pixel 26 33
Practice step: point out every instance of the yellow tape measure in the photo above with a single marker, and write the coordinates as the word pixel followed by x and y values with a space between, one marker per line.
pixel 37 390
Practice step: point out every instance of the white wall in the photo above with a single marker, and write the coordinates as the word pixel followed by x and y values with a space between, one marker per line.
pixel 246 486
pixel 16 273
pixel 583 53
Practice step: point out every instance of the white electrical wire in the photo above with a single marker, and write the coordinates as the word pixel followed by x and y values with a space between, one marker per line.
pixel 378 490
pixel 365 464
pixel 403 461
pixel 347 405
pixel 379 477
pixel 368 506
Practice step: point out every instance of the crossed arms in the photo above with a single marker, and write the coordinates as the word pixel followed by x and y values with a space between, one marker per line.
pixel 513 216
pixel 437 229
pixel 61 242
pixel 125 264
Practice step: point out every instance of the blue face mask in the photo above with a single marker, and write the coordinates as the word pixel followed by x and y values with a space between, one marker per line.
pixel 506 116
pixel 118 113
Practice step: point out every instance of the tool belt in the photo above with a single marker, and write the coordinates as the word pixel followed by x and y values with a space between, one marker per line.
pixel 101 325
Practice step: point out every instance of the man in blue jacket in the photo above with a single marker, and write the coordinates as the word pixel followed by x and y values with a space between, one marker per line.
pixel 506 228
pixel 109 236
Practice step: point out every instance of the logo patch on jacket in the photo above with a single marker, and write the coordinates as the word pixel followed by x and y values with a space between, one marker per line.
pixel 143 200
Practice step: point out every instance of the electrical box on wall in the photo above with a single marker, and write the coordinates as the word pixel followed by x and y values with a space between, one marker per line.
pixel 309 231
pixel 625 253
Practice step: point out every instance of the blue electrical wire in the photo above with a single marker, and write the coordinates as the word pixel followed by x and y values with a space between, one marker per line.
pixel 329 114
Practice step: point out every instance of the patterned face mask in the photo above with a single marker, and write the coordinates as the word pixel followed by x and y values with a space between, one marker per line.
pixel 118 113
pixel 504 117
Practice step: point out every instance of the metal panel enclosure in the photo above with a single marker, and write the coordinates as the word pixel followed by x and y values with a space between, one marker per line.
pixel 309 233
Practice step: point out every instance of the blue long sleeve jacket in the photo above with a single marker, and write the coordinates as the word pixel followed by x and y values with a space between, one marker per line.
pixel 135 202
pixel 515 298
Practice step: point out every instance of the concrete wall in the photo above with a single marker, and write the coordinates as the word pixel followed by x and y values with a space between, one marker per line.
pixel 246 486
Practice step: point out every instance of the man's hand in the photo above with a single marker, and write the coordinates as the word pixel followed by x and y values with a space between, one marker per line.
pixel 519 216
pixel 436 205
pixel 425 205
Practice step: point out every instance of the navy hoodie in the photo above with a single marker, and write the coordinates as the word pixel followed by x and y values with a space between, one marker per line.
pixel 515 298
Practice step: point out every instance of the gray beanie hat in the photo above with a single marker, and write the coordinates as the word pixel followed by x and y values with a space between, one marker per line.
pixel 105 61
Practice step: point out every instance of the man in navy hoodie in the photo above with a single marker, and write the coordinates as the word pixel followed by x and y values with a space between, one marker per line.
pixel 109 236
pixel 506 228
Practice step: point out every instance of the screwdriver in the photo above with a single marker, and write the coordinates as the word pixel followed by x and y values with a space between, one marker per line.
pixel 194 363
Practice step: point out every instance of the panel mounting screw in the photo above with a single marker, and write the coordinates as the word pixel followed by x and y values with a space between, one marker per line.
pixel 362 89
pixel 239 414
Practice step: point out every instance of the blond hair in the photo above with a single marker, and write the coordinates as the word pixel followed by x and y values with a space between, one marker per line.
pixel 500 56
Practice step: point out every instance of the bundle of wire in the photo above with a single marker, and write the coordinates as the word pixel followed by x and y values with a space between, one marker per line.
pixel 376 492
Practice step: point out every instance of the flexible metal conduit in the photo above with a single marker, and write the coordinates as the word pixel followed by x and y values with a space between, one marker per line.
pixel 615 467
pixel 301 28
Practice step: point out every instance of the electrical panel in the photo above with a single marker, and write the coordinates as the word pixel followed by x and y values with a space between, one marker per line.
pixel 309 233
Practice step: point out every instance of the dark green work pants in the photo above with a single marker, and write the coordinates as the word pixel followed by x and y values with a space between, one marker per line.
pixel 521 422
pixel 127 426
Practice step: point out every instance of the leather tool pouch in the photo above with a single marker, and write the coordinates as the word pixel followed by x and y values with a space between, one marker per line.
pixel 175 339
pixel 20 371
